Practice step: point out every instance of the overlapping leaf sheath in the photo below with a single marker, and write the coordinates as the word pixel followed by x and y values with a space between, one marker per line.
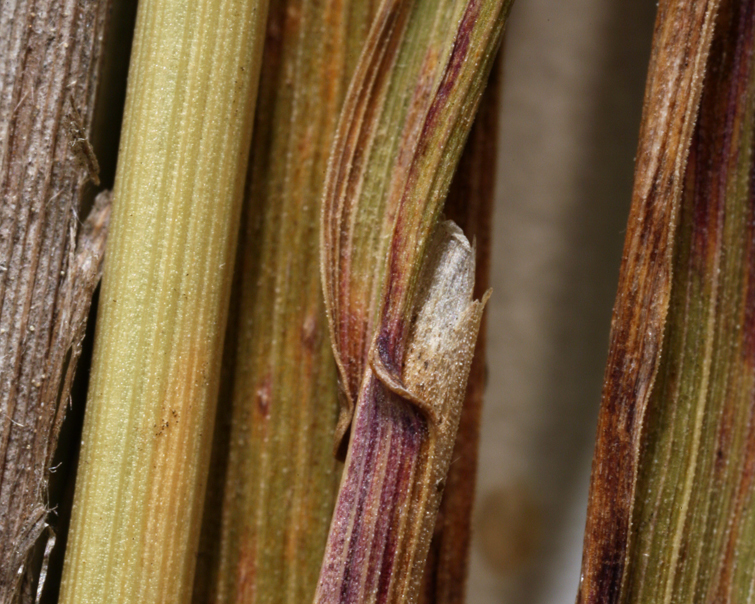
pixel 282 477
pixel 404 121
pixel 162 315
pixel 403 343
pixel 50 59
pixel 676 444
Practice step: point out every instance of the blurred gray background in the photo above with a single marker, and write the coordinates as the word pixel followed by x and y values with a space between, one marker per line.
pixel 573 82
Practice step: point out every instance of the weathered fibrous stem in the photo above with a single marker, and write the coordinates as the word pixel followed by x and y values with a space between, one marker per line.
pixel 162 314
pixel 50 62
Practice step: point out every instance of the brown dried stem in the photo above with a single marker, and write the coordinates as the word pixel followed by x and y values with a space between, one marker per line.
pixel 50 59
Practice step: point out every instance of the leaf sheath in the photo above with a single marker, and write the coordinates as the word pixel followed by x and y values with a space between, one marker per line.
pixel 397 461
pixel 404 123
pixel 282 478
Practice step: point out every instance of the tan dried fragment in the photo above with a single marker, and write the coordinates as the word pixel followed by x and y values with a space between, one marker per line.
pixel 80 144
pixel 470 204
pixel 86 271
pixel 434 375
pixel 85 261
pixel 436 369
